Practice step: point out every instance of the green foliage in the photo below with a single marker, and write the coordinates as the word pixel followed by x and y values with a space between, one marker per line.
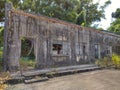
pixel 1 46
pixel 1 36
pixel 115 25
pixel 89 12
pixel 1 53
pixel 116 60
pixel 81 12
pixel 2 10
pixel 16 4
pixel 30 63
pixel 104 62
pixel 112 62
pixel 27 63
pixel 26 45
pixel 61 9
pixel 116 14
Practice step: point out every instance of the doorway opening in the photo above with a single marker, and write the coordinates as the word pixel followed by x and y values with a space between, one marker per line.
pixel 97 51
pixel 27 60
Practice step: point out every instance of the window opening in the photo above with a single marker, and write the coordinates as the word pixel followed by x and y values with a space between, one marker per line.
pixel 57 48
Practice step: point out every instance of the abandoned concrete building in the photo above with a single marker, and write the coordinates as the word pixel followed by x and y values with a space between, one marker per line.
pixel 56 43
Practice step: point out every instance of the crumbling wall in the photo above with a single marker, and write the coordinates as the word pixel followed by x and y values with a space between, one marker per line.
pixel 56 43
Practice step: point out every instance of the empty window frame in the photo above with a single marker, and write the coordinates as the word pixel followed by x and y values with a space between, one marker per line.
pixel 116 49
pixel 57 49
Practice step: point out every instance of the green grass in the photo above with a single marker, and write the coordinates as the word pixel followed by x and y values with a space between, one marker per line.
pixel 1 55
pixel 26 63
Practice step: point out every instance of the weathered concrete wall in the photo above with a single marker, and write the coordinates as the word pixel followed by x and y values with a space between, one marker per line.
pixel 56 43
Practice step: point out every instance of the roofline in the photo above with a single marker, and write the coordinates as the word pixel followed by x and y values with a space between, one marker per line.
pixel 54 20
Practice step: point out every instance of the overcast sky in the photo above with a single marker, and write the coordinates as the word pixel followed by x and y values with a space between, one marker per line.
pixel 105 23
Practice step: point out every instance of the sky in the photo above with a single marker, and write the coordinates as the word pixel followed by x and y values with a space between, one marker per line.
pixel 105 23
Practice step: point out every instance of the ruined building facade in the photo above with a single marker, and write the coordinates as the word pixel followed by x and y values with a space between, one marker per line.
pixel 56 43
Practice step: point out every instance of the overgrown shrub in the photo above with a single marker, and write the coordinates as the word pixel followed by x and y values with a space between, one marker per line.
pixel 116 60
pixel 27 63
pixel 104 62
pixel 1 54
pixel 113 62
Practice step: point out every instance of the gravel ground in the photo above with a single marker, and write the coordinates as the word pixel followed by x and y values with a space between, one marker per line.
pixel 93 80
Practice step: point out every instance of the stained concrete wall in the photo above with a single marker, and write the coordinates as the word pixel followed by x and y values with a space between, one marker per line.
pixel 79 44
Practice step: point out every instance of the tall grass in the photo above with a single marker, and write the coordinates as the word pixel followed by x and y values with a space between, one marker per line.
pixel 112 62
pixel 104 62
pixel 27 63
pixel 1 55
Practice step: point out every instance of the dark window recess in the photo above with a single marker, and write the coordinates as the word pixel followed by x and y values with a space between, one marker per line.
pixel 84 49
pixel 96 51
pixel 57 47
pixel 107 51
pixel 116 50
pixel 26 45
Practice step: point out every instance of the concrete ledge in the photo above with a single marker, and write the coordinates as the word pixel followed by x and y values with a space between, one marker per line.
pixel 58 70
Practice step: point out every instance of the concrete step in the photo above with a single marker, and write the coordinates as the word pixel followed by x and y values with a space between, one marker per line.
pixel 53 71
pixel 35 79
pixel 61 69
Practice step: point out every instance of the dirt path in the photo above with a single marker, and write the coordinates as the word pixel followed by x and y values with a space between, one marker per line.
pixel 94 80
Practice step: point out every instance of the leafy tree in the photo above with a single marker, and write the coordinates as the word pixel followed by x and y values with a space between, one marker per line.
pixel 16 4
pixel 81 12
pixel 88 12
pixel 115 25
pixel 61 9
pixel 2 10
pixel 116 14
